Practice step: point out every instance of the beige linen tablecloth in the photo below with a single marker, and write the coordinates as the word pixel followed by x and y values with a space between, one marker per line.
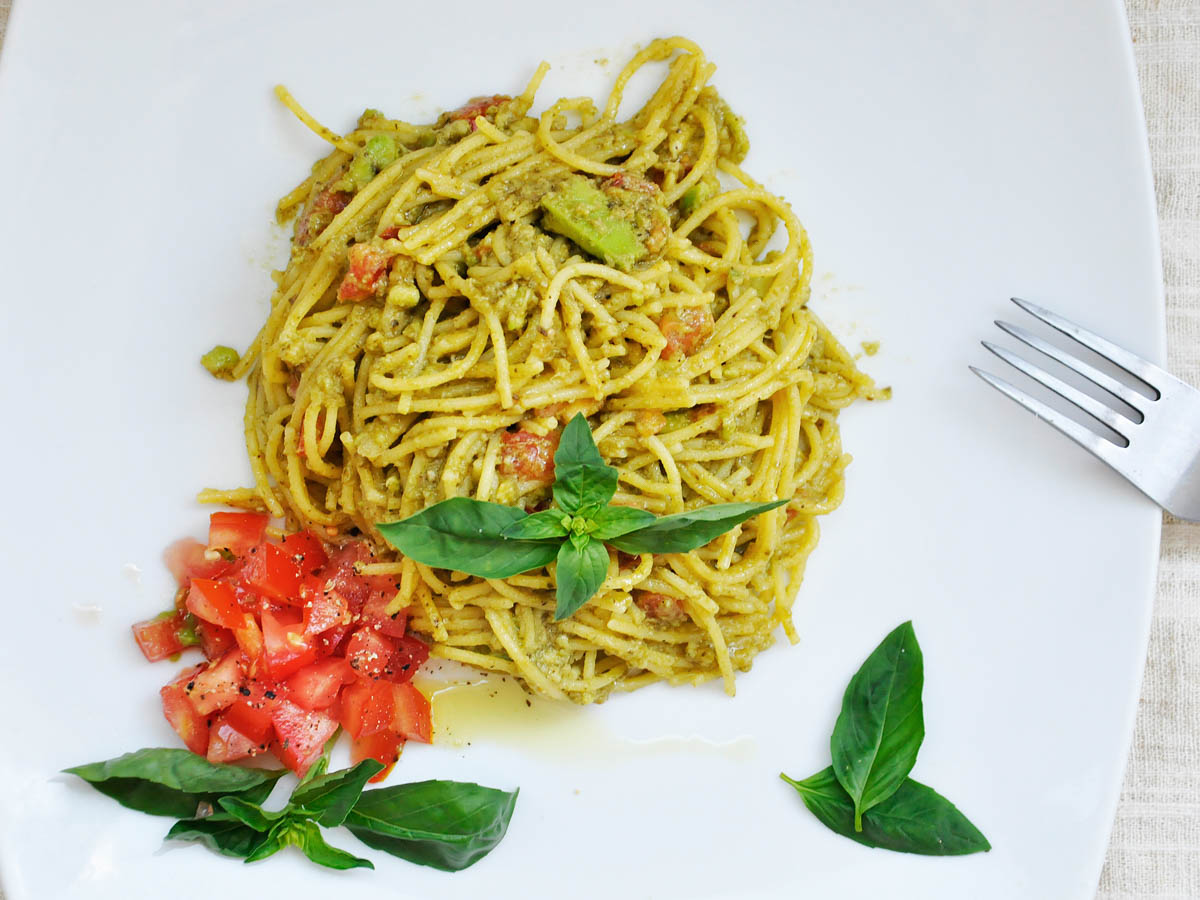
pixel 1154 851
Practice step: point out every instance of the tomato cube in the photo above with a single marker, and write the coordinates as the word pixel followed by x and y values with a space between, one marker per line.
pixel 188 722
pixel 188 558
pixel 215 641
pixel 322 609
pixel 384 746
pixel 411 717
pixel 410 655
pixel 158 638
pixel 366 708
pixel 300 735
pixel 227 743
pixel 270 570
pixel 215 602
pixel 218 684
pixel 375 612
pixel 369 652
pixel 286 647
pixel 306 550
pixel 316 686
pixel 236 532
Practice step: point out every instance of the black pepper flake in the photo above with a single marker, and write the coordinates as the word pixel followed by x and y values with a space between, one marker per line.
pixel 191 686
pixel 244 691
pixel 270 695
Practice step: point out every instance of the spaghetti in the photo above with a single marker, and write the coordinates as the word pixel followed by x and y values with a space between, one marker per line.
pixel 457 291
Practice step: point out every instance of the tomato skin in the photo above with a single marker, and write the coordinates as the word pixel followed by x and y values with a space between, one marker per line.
pixel 528 455
pixel 369 652
pixel 384 746
pixel 215 641
pixel 305 550
pixel 366 708
pixel 271 571
pixel 228 743
pixel 186 560
pixel 158 638
pixel 300 735
pixel 411 716
pixel 215 602
pixel 236 532
pixel 367 273
pixel 685 329
pixel 286 647
pixel 218 684
pixel 317 685
pixel 189 724
pixel 411 653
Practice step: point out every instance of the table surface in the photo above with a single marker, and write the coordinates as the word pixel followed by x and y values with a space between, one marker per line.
pixel 1154 850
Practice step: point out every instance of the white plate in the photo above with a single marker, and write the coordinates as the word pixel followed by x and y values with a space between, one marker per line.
pixel 944 155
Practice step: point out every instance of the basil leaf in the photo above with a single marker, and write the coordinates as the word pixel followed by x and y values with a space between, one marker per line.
pixel 581 571
pixel 328 798
pixel 914 819
pixel 584 485
pixel 614 521
pixel 171 782
pixel 448 825
pixel 249 814
pixel 220 832
pixel 881 725
pixel 307 836
pixel 576 447
pixel 686 531
pixel 272 843
pixel 539 526
pixel 466 535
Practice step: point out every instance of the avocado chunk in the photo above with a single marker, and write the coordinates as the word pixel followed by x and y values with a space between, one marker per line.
pixel 580 211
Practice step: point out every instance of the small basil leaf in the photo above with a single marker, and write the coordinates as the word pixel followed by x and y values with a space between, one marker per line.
pixel 271 843
pixel 881 725
pixel 466 535
pixel 686 531
pixel 169 781
pixel 584 485
pixel 307 836
pixel 539 526
pixel 220 832
pixel 915 819
pixel 448 825
pixel 328 798
pixel 579 540
pixel 580 572
pixel 249 814
pixel 614 521
pixel 576 447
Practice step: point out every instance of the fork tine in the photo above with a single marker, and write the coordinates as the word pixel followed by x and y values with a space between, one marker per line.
pixel 1129 396
pixel 1089 405
pixel 1132 363
pixel 1089 440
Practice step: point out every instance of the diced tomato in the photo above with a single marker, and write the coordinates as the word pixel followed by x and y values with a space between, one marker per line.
pixel 159 637
pixel 663 607
pixel 188 722
pixel 685 329
pixel 270 570
pixel 528 455
pixel 369 652
pixel 410 655
pixel 236 532
pixel 316 686
pixel 300 735
pixel 384 746
pixel 367 273
pixel 628 182
pixel 218 684
pixel 305 550
pixel 322 609
pixel 215 641
pixel 252 719
pixel 227 742
pixel 187 559
pixel 478 106
pixel 341 576
pixel 411 718
pixel 375 613
pixel 286 647
pixel 215 602
pixel 319 213
pixel 249 637
pixel 365 707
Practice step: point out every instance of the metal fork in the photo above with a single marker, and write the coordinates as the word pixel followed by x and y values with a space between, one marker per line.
pixel 1161 455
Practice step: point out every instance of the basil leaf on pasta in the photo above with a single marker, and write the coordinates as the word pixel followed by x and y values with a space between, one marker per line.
pixel 539 526
pixel 576 447
pixel 581 570
pixel 614 521
pixel 686 531
pixel 467 535
pixel 585 485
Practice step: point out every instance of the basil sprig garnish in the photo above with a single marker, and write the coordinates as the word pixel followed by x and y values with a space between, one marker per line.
pixel 866 795
pixel 491 540
pixel 445 824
